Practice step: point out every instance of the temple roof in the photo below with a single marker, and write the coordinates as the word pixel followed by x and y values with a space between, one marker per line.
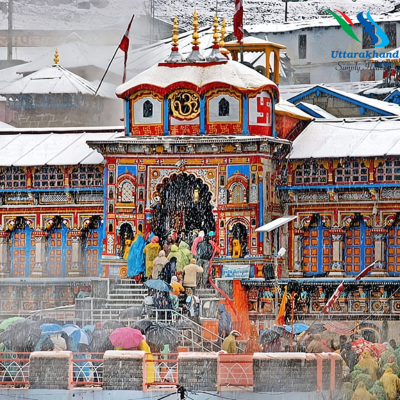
pixel 200 77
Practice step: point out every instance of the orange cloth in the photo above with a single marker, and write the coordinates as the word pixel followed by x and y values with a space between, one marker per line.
pixel 177 288
pixel 280 320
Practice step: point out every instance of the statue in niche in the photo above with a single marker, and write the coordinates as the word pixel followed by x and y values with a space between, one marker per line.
pixel 147 109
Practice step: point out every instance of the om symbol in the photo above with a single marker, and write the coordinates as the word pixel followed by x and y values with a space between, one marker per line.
pixel 185 104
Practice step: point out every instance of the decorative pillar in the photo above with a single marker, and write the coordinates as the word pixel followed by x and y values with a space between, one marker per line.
pixel 39 270
pixel 298 255
pixel 76 257
pixel 330 172
pixel 276 66
pixel 379 236
pixel 337 268
pixel 4 265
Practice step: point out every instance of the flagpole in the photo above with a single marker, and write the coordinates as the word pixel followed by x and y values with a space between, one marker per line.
pixel 105 73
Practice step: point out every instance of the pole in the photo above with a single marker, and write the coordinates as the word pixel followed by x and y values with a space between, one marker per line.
pixel 241 52
pixel 102 78
pixel 276 272
pixel 286 10
pixel 10 29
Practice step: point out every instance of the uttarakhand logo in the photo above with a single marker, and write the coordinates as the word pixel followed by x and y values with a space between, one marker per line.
pixel 368 25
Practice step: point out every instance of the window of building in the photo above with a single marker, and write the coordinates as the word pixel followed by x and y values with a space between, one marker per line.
pixel 310 173
pixel 393 250
pixel 302 79
pixel 351 171
pixel 48 177
pixel 12 177
pixel 89 176
pixel 366 40
pixel 223 106
pixel 127 191
pixel 302 46
pixel 389 171
pixel 147 109
pixel 391 33
pixel 344 76
pixel 237 193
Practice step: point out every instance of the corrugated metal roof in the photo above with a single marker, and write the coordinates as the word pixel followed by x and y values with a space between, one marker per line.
pixel 32 149
pixel 366 137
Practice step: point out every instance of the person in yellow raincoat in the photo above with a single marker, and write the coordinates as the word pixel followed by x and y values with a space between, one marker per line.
pixel 229 344
pixel 391 383
pixel 362 393
pixel 368 362
pixel 151 251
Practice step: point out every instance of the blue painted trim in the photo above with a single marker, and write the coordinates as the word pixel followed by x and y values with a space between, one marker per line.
pixel 127 118
pixel 274 133
pixel 395 246
pixel 166 118
pixel 395 96
pixel 344 186
pixel 27 248
pixel 202 115
pixel 245 102
pixel 260 210
pixel 304 108
pixel 105 209
pixel 339 96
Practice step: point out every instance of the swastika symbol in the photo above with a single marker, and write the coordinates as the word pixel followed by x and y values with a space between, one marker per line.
pixel 263 110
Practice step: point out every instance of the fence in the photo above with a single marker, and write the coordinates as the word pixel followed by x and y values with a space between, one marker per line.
pixel 14 369
pixel 87 369
pixel 235 370
pixel 162 369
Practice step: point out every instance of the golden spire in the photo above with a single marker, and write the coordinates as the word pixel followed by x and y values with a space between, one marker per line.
pixel 223 31
pixel 215 36
pixel 175 32
pixel 196 41
pixel 56 59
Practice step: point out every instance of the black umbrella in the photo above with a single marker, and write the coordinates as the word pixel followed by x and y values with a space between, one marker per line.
pixel 159 285
pixel 111 325
pixel 100 341
pixel 143 325
pixel 271 334
pixel 22 337
pixel 160 334
pixel 131 312
pixel 316 328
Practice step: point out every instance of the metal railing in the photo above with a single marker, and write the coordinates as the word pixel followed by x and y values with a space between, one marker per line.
pixel 235 370
pixel 87 369
pixel 162 369
pixel 14 369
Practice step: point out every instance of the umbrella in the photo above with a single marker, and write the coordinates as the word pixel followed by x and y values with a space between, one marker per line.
pixel 80 336
pixel 160 334
pixel 51 329
pixel 297 328
pixel 126 338
pixel 9 321
pixel 22 336
pixel 70 328
pixel 316 328
pixel 132 312
pixel 271 334
pixel 159 285
pixel 88 328
pixel 143 325
pixel 100 341
pixel 112 325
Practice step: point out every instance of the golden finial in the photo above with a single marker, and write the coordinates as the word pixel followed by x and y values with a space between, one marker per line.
pixel 223 31
pixel 56 59
pixel 196 41
pixel 215 25
pixel 175 32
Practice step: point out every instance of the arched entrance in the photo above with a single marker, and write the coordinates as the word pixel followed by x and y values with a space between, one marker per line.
pixel 125 232
pixel 184 205
pixel 238 231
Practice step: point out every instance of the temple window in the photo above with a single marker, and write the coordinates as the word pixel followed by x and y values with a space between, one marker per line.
pixel 351 171
pixel 237 191
pixel 12 177
pixel 84 176
pixel 310 173
pixel 147 109
pixel 393 250
pixel 223 107
pixel 127 192
pixel 389 171
pixel 49 177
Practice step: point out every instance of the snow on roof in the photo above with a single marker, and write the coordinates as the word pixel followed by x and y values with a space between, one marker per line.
pixel 32 148
pixel 286 108
pixel 313 23
pixel 314 110
pixel 227 73
pixel 386 108
pixel 367 137
pixel 50 80
pixel 3 125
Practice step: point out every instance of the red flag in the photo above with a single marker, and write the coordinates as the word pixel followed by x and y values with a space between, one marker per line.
pixel 365 271
pixel 238 20
pixel 334 297
pixel 124 46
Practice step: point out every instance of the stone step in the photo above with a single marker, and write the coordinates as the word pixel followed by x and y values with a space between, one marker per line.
pixel 127 296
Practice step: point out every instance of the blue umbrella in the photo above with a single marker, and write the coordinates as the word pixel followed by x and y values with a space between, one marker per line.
pixel 159 285
pixel 51 329
pixel 80 336
pixel 297 328
pixel 88 328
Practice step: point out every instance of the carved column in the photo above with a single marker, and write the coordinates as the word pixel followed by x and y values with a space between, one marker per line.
pixel 379 236
pixel 298 254
pixel 4 264
pixel 76 257
pixel 39 270
pixel 337 267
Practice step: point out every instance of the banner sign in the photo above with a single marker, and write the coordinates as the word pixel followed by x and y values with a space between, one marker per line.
pixel 236 271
